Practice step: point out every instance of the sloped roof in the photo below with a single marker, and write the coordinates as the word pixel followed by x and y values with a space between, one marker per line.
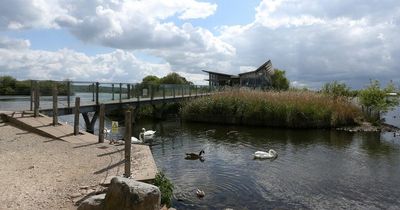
pixel 222 74
pixel 259 68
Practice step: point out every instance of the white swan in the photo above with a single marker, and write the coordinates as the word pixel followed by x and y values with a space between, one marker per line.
pixel 106 131
pixel 263 155
pixel 148 134
pixel 134 140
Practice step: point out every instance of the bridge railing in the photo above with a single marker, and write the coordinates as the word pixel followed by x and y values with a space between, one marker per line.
pixel 91 93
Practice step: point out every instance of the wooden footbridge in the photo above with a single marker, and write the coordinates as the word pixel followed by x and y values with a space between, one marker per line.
pixel 54 98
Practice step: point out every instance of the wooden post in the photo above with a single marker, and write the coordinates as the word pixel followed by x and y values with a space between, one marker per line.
pixel 183 95
pixel 163 92
pixel 112 89
pixel 97 93
pixel 76 120
pixel 151 92
pixel 32 93
pixel 195 87
pixel 69 94
pixel 129 91
pixel 101 123
pixel 92 91
pixel 37 99
pixel 173 90
pixel 55 104
pixel 128 135
pixel 120 92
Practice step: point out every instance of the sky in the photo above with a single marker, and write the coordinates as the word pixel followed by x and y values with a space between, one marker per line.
pixel 314 41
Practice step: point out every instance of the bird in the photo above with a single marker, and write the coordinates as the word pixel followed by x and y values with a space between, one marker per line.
pixel 396 134
pixel 200 193
pixel 134 140
pixel 266 155
pixel 148 134
pixel 106 132
pixel 194 156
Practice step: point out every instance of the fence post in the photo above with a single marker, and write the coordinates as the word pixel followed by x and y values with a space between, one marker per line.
pixel 92 91
pixel 173 90
pixel 37 100
pixel 128 135
pixel 195 87
pixel 163 93
pixel 190 90
pixel 112 89
pixel 120 92
pixel 97 93
pixel 129 91
pixel 55 104
pixel 183 94
pixel 68 94
pixel 151 92
pixel 32 94
pixel 76 119
pixel 101 123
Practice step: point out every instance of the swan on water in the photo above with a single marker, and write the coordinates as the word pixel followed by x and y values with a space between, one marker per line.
pixel 148 134
pixel 262 155
pixel 200 193
pixel 134 140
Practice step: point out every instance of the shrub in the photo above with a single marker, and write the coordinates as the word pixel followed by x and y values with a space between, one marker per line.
pixel 166 188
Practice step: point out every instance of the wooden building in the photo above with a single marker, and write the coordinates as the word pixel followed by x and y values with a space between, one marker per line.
pixel 259 78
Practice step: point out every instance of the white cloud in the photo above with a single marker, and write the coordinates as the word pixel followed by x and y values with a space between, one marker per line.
pixel 320 41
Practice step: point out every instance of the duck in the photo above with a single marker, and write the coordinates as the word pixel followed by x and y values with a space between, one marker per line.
pixel 200 193
pixel 148 134
pixel 194 156
pixel 266 155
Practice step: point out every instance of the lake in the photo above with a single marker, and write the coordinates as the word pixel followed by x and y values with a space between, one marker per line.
pixel 315 169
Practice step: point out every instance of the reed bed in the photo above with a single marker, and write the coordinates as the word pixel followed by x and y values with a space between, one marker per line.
pixel 292 109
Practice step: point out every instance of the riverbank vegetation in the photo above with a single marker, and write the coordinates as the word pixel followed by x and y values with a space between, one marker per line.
pixel 292 109
pixel 11 86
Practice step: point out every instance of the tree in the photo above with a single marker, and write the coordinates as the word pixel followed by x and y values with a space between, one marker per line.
pixel 376 100
pixel 151 80
pixel 279 80
pixel 336 89
pixel 174 78
pixel 7 85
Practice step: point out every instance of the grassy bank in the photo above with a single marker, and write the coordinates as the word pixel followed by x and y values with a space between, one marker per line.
pixel 279 109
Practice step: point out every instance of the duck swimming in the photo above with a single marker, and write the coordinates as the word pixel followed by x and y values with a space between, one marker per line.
pixel 200 193
pixel 266 155
pixel 194 156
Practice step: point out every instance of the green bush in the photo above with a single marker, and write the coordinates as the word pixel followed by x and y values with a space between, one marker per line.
pixel 166 188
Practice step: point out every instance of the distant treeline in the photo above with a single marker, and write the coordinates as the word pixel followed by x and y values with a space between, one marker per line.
pixel 11 86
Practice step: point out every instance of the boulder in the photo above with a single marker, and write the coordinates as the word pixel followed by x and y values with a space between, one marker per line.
pixel 95 202
pixel 128 194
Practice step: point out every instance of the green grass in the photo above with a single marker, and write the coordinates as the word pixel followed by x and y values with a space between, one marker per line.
pixel 292 109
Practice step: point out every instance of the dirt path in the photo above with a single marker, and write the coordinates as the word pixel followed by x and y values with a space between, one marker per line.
pixel 41 173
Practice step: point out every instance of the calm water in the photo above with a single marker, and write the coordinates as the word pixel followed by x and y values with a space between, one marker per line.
pixel 316 169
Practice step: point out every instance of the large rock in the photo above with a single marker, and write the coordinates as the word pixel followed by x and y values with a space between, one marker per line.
pixel 95 202
pixel 128 194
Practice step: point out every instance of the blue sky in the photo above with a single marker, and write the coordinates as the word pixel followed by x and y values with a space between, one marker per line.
pixel 314 41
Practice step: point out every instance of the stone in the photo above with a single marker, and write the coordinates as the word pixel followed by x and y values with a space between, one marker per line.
pixel 95 202
pixel 128 194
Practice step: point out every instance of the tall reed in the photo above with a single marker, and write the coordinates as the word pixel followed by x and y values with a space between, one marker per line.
pixel 293 109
